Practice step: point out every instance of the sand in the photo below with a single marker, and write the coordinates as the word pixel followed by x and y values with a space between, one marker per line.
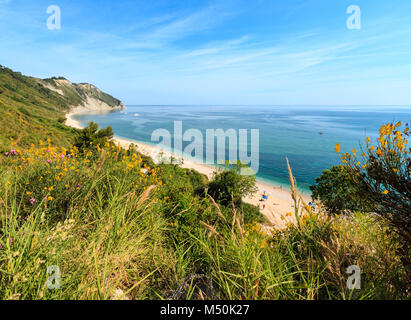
pixel 279 201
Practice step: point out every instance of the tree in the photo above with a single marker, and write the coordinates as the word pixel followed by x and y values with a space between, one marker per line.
pixel 338 191
pixel 230 186
pixel 90 137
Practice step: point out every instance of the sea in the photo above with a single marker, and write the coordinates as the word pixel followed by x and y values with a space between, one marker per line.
pixel 306 135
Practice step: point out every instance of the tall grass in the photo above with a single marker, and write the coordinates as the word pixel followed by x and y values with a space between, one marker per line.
pixel 119 227
pixel 103 234
pixel 306 260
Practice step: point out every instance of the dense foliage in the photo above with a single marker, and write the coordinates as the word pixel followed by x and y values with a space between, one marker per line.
pixel 90 137
pixel 229 186
pixel 339 192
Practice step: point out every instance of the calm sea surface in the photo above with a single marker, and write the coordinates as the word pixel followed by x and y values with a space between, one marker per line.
pixel 305 134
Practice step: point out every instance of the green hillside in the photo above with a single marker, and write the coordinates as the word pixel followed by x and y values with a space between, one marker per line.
pixel 32 108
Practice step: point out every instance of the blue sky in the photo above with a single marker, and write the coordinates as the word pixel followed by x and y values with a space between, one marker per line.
pixel 217 52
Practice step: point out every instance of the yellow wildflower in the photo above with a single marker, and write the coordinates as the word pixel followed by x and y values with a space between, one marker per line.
pixel 337 148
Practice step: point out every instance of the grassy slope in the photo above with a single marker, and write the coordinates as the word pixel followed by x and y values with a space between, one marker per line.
pixel 30 112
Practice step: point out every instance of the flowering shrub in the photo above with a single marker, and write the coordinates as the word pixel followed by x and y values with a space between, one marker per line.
pixel 383 170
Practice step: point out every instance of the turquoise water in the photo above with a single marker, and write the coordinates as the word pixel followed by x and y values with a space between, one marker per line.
pixel 285 131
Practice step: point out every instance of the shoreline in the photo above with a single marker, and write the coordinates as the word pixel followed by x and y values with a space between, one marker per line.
pixel 279 199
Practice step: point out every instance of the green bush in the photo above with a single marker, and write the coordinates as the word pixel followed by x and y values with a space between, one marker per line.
pixel 90 137
pixel 339 192
pixel 229 186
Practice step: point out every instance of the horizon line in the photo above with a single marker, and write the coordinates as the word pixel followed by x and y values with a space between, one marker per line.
pixel 274 105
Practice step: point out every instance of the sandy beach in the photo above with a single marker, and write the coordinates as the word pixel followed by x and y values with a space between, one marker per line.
pixel 274 209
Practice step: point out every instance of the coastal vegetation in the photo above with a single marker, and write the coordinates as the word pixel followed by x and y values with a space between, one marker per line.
pixel 339 191
pixel 383 172
pixel 229 186
pixel 118 226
